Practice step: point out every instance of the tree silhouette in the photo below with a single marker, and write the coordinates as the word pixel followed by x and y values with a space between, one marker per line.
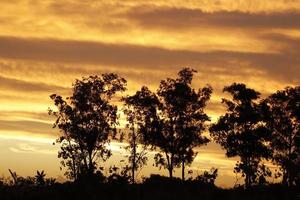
pixel 14 176
pixel 181 119
pixel 86 119
pixel 282 117
pixel 38 180
pixel 40 177
pixel 139 109
pixel 118 176
pixel 208 177
pixel 242 133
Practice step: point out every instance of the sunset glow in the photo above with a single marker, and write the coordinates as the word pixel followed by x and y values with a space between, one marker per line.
pixel 46 45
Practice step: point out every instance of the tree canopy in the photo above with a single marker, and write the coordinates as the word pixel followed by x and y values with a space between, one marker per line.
pixel 86 119
pixel 172 122
pixel 241 132
pixel 282 117
pixel 181 119
pixel 140 110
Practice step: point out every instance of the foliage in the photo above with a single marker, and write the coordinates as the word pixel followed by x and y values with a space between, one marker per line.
pixel 171 122
pixel 181 121
pixel 282 118
pixel 38 180
pixel 40 177
pixel 86 119
pixel 241 131
pixel 139 109
pixel 207 178
pixel 118 176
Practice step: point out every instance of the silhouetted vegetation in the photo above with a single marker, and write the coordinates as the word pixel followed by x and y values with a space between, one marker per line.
pixel 153 187
pixel 282 118
pixel 171 121
pixel 38 180
pixel 86 119
pixel 182 121
pixel 241 132
pixel 140 110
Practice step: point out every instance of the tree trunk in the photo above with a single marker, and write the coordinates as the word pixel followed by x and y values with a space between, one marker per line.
pixel 170 172
pixel 73 163
pixel 247 173
pixel 247 181
pixel 169 165
pixel 74 168
pixel 289 167
pixel 91 166
pixel 133 174
pixel 134 159
pixel 84 157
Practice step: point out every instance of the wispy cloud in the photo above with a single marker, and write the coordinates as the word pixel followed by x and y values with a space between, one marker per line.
pixel 46 45
pixel 31 149
pixel 20 85
pixel 140 57
pixel 183 19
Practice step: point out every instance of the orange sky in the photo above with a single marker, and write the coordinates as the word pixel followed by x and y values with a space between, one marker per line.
pixel 45 45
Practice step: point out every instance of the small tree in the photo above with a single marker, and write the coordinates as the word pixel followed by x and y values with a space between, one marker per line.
pixel 282 117
pixel 86 119
pixel 242 133
pixel 138 108
pixel 207 178
pixel 40 178
pixel 181 121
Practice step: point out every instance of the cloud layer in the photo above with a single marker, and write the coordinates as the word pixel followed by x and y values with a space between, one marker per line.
pixel 46 45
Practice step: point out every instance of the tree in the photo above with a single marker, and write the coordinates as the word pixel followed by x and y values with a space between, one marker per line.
pixel 241 132
pixel 40 178
pixel 118 176
pixel 207 178
pixel 182 121
pixel 283 119
pixel 86 120
pixel 138 108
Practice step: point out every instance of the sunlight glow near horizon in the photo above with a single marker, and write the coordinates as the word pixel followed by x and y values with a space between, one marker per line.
pixel 46 45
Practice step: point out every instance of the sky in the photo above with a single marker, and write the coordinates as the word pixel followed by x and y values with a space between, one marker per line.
pixel 46 45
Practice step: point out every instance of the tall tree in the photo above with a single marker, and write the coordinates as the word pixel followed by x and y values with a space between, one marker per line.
pixel 241 131
pixel 139 109
pixel 86 119
pixel 283 119
pixel 182 121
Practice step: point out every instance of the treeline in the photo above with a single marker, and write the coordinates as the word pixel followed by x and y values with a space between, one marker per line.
pixel 172 121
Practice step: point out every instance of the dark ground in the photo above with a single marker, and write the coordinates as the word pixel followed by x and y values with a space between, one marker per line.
pixel 152 190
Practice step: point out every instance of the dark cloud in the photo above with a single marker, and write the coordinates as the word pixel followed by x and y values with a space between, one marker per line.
pixel 277 65
pixel 289 45
pixel 184 18
pixel 25 86
pixel 289 64
pixel 34 127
